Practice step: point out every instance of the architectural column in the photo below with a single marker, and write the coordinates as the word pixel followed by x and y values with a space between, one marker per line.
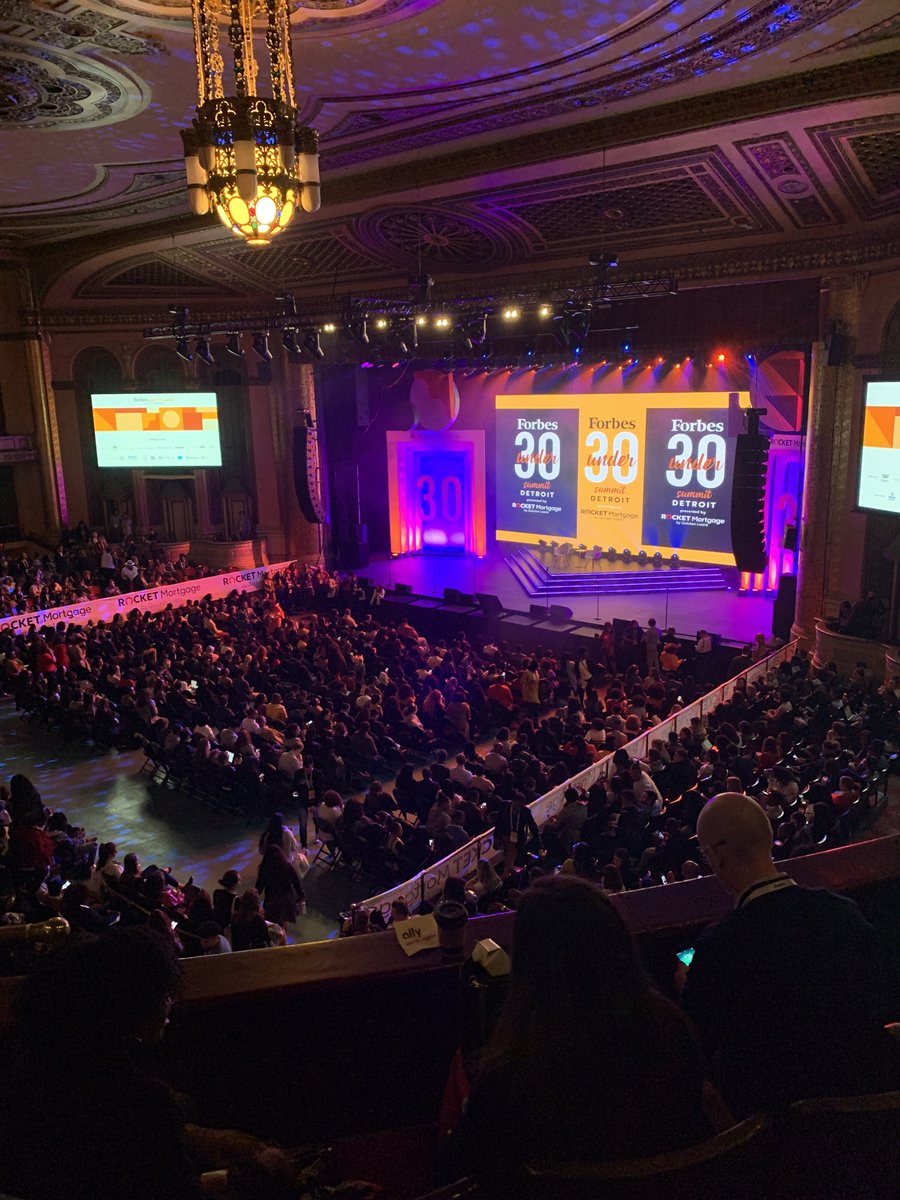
pixel 201 492
pixel 267 467
pixel 828 469
pixel 47 433
pixel 141 511
pixel 28 407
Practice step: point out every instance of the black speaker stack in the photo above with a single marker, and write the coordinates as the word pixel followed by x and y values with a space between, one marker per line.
pixel 748 497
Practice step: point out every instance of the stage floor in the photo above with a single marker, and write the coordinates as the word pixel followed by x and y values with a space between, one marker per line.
pixel 732 616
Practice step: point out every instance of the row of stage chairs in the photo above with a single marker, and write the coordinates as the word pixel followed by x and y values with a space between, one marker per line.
pixel 565 553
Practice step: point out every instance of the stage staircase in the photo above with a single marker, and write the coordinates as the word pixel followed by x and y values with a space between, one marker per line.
pixel 537 581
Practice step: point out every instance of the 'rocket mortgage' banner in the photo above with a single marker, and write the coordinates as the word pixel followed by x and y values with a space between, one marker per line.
pixel 153 599
pixel 639 471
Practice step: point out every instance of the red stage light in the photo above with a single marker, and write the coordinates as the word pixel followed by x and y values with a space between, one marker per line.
pixel 720 358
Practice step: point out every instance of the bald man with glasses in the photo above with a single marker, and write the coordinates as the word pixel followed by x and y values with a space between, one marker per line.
pixel 789 990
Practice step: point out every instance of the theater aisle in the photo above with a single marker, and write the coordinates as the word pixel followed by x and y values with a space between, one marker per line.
pixel 105 794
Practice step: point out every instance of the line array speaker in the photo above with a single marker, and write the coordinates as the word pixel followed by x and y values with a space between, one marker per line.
pixel 748 502
pixel 306 473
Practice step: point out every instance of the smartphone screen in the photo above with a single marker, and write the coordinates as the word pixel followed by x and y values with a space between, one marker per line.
pixel 686 956
pixel 229 756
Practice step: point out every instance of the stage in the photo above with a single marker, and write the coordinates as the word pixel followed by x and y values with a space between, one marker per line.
pixel 736 618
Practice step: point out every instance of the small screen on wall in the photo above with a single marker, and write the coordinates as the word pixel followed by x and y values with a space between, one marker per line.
pixel 879 461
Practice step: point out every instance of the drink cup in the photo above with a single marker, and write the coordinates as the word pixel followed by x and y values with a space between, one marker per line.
pixel 451 918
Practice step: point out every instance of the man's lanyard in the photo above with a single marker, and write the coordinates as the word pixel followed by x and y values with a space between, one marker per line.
pixel 763 887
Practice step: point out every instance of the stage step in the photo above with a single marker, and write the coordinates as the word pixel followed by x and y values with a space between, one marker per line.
pixel 537 581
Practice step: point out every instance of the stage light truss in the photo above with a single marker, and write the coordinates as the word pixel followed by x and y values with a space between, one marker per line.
pixel 534 301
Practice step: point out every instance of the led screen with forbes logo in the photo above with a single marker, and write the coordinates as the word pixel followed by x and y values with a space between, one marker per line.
pixel 647 471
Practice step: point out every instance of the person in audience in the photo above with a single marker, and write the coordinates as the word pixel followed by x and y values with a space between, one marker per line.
pixel 248 929
pixel 278 834
pixel 82 1120
pixel 579 1014
pixel 787 952
pixel 212 940
pixel 224 898
pixel 278 882
pixel 488 884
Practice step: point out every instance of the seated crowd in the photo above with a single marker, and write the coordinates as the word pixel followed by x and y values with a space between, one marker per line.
pixel 86 565
pixel 237 701
pixel 49 868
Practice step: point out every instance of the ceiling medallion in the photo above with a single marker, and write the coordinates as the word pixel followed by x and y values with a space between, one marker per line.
pixel 246 155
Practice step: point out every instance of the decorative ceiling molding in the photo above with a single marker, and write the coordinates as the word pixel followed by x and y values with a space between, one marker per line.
pixel 312 15
pixel 72 27
pixel 693 51
pixel 55 89
pixel 864 157
pixel 797 259
pixel 778 162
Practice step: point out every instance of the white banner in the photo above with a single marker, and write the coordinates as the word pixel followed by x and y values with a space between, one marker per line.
pixel 428 883
pixel 153 599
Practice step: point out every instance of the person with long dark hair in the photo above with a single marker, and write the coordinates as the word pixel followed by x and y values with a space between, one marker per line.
pixel 587 1062
pixel 278 882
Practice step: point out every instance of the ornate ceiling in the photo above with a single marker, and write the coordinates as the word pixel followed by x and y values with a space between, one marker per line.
pixel 474 137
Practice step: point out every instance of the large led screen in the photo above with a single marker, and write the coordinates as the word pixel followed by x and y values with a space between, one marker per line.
pixel 879 461
pixel 159 429
pixel 649 471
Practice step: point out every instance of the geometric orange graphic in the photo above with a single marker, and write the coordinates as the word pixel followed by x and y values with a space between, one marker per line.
pixel 166 420
pixel 882 427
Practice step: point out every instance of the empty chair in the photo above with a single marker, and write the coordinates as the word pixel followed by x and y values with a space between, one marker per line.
pixel 733 1164
pixel 845 1147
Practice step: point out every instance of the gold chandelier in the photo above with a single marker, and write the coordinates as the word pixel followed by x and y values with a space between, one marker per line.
pixel 246 156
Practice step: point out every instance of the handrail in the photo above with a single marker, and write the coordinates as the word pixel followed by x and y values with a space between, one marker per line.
pixel 463 862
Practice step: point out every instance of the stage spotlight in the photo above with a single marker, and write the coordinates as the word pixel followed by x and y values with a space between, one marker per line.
pixel 400 341
pixel 204 353
pixel 421 286
pixel 233 345
pixel 359 330
pixel 312 345
pixel 442 322
pixel 289 341
pixel 657 559
pixel 545 311
pixel 642 557
pixel 421 320
pixel 626 556
pixel 261 347
pixel 720 358
pixel 183 350
pixel 625 346
pixel 570 328
pixel 329 327
pixel 474 331
pixel 611 553
pixel 381 323
pixel 674 560
pixel 511 313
